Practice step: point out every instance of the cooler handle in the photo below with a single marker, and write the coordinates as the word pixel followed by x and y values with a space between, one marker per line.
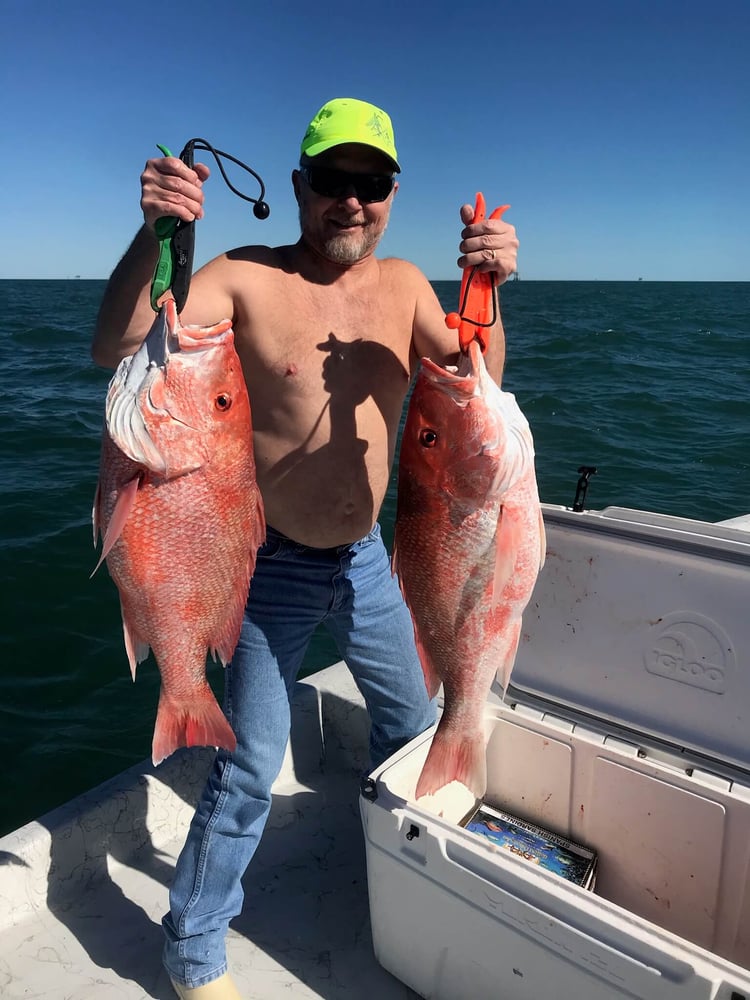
pixel 525 900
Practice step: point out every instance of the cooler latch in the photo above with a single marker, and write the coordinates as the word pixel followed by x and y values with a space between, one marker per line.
pixel 368 789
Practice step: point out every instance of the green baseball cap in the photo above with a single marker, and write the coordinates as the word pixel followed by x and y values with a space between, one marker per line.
pixel 346 119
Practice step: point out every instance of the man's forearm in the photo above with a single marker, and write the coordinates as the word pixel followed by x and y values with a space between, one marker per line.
pixel 125 314
pixel 494 357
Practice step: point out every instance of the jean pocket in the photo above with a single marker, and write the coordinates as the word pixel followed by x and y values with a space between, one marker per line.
pixel 274 546
pixel 373 536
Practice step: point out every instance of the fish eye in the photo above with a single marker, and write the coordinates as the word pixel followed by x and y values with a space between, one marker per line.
pixel 223 401
pixel 428 437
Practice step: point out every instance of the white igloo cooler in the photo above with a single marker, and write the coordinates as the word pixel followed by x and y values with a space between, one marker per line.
pixel 626 729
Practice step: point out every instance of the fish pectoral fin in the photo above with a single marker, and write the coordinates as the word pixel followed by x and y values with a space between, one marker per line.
pixel 96 515
pixel 432 680
pixel 542 540
pixel 507 543
pixel 123 506
pixel 506 656
pixel 394 562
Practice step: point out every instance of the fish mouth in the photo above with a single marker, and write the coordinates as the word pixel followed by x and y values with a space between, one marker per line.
pixel 138 384
pixel 462 381
pixel 137 388
pixel 135 376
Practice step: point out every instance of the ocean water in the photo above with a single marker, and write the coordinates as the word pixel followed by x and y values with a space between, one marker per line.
pixel 646 381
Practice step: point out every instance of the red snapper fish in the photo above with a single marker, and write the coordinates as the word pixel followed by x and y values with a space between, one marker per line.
pixel 469 543
pixel 181 516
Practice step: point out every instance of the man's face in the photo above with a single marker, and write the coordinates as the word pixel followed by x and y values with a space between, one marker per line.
pixel 344 229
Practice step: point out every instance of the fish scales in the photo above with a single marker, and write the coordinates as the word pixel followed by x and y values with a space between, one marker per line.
pixel 468 545
pixel 181 516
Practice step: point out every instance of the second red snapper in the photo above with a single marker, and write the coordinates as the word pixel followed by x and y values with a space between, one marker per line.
pixel 181 516
pixel 468 545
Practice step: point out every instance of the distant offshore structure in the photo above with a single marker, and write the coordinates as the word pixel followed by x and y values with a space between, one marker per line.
pixel 514 276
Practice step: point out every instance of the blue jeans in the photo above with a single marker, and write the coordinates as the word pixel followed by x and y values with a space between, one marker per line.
pixel 350 589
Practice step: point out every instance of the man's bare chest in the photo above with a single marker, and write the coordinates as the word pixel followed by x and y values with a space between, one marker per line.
pixel 315 340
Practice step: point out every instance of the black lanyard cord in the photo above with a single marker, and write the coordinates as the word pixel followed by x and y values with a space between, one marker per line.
pixel 260 207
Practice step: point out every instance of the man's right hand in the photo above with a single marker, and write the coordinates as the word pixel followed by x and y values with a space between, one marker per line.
pixel 170 187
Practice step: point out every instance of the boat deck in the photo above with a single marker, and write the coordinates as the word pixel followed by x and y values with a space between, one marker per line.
pixel 84 888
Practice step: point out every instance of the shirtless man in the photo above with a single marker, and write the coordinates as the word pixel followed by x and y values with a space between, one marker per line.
pixel 328 336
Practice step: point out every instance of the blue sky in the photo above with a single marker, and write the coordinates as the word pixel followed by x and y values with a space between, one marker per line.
pixel 619 132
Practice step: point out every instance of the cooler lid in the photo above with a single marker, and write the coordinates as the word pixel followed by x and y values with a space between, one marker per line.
pixel 642 621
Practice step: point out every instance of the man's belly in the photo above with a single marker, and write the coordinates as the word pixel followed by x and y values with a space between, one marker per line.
pixel 330 496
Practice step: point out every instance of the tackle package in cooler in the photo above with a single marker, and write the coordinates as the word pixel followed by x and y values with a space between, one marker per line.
pixel 532 843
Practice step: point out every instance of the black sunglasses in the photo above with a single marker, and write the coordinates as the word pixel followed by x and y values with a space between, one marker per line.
pixel 332 183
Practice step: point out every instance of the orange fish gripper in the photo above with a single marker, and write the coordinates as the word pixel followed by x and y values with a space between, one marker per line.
pixel 477 310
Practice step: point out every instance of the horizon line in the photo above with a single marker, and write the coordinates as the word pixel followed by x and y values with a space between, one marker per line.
pixel 457 280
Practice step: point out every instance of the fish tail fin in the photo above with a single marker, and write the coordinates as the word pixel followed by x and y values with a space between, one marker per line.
pixel 198 721
pixel 454 758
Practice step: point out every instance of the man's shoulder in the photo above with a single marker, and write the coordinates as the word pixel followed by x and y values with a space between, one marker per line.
pixel 243 266
pixel 402 270
pixel 256 254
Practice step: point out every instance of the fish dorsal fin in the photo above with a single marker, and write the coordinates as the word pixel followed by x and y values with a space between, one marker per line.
pixel 123 506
